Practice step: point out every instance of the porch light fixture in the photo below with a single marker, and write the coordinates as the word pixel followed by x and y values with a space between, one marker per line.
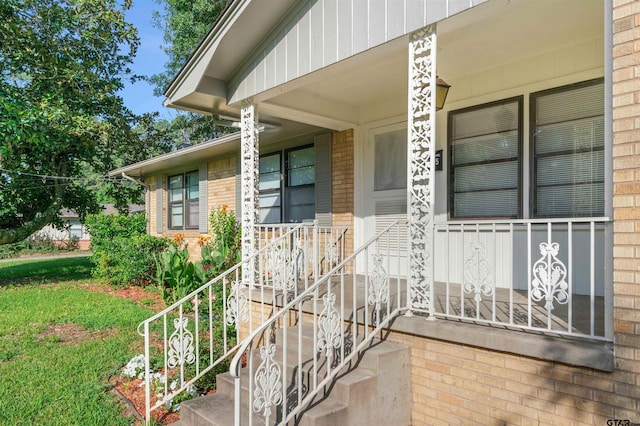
pixel 442 89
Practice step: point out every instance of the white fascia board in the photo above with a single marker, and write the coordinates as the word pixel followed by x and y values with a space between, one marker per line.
pixel 193 70
pixel 219 146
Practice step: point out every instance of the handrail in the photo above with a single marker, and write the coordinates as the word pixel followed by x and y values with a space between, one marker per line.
pixel 234 369
pixel 334 346
pixel 473 222
pixel 181 346
pixel 181 336
pixel 222 275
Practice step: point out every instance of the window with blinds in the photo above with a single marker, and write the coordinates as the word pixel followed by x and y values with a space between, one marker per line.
pixel 568 150
pixel 184 198
pixel 270 197
pixel 293 201
pixel 301 177
pixel 485 149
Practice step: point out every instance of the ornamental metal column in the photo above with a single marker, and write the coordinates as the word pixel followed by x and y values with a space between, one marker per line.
pixel 421 163
pixel 249 189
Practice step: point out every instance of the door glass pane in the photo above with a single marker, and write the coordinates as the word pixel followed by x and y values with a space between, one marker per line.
pixel 390 160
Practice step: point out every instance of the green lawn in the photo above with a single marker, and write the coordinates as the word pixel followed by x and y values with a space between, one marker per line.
pixel 51 270
pixel 59 343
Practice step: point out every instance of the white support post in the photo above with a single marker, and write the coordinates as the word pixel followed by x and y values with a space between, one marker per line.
pixel 421 163
pixel 249 189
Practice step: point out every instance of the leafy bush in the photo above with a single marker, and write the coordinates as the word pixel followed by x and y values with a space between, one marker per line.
pixel 177 276
pixel 222 250
pixel 121 249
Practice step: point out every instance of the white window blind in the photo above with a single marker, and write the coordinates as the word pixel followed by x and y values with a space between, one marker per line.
pixel 270 198
pixel 568 150
pixel 390 160
pixel 484 144
pixel 291 199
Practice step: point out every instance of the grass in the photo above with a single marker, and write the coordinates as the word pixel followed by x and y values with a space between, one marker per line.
pixel 59 343
pixel 51 270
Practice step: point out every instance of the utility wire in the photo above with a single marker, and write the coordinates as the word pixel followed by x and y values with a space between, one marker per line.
pixel 104 179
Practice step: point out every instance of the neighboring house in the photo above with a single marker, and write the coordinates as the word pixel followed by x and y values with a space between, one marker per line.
pixel 74 228
pixel 529 216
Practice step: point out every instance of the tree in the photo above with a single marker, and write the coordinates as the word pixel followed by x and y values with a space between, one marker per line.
pixel 61 65
pixel 185 24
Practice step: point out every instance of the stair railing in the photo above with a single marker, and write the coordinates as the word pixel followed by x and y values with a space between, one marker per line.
pixel 345 309
pixel 181 341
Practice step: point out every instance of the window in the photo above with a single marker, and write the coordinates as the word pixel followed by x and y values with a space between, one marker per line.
pixel 290 198
pixel 484 174
pixel 390 160
pixel 184 201
pixel 270 192
pixel 568 150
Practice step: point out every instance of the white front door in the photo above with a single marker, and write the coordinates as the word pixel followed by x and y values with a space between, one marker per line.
pixel 385 190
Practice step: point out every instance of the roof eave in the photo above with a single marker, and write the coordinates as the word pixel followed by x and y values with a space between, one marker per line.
pixel 218 146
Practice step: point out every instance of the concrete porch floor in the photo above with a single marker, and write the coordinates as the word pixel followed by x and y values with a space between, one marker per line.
pixel 505 308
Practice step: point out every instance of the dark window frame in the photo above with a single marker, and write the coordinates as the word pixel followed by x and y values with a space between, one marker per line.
pixel 284 180
pixel 273 190
pixel 533 186
pixel 184 202
pixel 286 210
pixel 450 166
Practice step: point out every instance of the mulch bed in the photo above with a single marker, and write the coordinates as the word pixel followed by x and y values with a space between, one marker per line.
pixel 131 393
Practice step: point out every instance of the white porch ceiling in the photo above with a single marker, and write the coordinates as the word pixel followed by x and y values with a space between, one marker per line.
pixel 496 32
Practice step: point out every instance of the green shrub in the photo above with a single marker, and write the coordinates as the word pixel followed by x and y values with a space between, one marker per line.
pixel 177 276
pixel 223 250
pixel 121 249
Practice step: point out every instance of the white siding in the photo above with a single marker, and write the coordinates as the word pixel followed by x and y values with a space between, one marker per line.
pixel 318 33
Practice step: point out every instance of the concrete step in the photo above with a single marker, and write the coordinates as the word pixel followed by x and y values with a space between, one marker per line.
pixel 214 410
pixel 373 389
pixel 299 357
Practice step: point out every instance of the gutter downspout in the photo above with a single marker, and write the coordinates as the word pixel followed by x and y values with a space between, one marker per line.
pixel 147 194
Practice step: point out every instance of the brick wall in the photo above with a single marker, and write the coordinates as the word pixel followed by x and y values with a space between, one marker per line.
pixel 221 190
pixel 342 165
pixel 150 208
pixel 222 184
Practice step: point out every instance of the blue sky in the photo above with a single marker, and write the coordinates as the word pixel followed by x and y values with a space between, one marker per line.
pixel 149 60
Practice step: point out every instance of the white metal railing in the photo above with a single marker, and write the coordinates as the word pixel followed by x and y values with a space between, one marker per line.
pixel 182 341
pixel 308 342
pixel 546 274
pixel 329 245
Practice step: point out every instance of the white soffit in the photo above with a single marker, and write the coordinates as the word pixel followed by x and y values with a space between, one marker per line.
pixel 477 39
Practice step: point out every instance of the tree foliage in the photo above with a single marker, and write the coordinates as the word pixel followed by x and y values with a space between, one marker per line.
pixel 62 63
pixel 185 24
